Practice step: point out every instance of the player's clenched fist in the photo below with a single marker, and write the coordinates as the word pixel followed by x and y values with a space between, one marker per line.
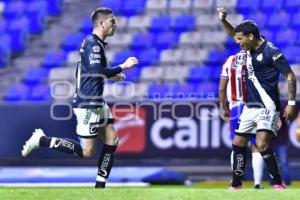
pixel 222 12
pixel 130 62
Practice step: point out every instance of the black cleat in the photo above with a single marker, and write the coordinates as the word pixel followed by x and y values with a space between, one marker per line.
pixel 258 186
pixel 100 184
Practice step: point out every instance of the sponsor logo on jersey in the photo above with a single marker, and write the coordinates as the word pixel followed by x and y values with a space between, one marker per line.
pixel 130 126
pixel 276 56
pixel 95 58
pixel 96 61
pixel 96 49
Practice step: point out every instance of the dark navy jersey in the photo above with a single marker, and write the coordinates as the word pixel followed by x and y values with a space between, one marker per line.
pixel 263 68
pixel 91 71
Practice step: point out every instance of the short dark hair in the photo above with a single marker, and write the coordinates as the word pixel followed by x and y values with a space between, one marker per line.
pixel 247 27
pixel 100 13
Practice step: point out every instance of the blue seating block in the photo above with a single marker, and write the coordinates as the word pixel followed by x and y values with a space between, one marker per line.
pixel 16 92
pixel 159 91
pixel 54 59
pixel 35 75
pixel 55 7
pixel 72 41
pixel 39 93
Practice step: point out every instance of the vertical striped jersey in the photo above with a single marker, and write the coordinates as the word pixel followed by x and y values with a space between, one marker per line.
pixel 234 69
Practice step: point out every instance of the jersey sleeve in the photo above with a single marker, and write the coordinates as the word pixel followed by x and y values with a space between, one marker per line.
pixel 94 55
pixel 225 68
pixel 279 62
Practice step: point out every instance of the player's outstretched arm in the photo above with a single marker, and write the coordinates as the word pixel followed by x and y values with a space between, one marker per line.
pixel 130 62
pixel 227 25
pixel 290 109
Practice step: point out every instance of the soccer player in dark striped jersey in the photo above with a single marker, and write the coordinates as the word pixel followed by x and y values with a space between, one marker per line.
pixel 232 95
pixel 94 118
pixel 264 64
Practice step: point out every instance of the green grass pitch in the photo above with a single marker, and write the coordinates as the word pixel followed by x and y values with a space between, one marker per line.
pixel 197 191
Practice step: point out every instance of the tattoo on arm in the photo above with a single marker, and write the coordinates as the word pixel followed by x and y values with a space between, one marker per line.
pixel 292 89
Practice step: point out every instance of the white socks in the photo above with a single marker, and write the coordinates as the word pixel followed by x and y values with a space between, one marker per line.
pixel 258 167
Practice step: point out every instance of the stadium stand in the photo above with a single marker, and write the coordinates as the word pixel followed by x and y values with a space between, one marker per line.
pixel 176 41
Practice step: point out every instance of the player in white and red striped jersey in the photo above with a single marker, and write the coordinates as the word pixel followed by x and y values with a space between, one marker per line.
pixel 232 94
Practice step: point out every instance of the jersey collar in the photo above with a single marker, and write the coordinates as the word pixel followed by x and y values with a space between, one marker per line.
pixel 261 47
pixel 97 38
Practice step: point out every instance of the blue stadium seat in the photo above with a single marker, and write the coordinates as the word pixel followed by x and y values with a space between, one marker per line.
pixel 16 92
pixel 37 13
pixel 55 7
pixel 39 93
pixel 278 21
pixel 142 40
pixel 130 8
pixel 115 5
pixel 259 18
pixel 206 89
pixel 218 56
pixel 121 56
pixel 295 22
pixel 269 35
pixel 292 6
pixel 292 54
pixel 160 24
pixel 198 74
pixel 285 37
pixel 86 26
pixel 183 90
pixel 148 57
pixel 72 41
pixel 54 59
pixel 184 23
pixel 132 74
pixel 166 40
pixel 269 6
pixel 159 91
pixel 18 29
pixel 5 50
pixel 246 6
pixel 13 10
pixel 35 75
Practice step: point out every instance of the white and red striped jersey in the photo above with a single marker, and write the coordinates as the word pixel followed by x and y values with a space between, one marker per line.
pixel 234 69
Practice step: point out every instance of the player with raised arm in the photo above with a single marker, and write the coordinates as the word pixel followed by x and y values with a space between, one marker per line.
pixel 264 63
pixel 232 95
pixel 94 117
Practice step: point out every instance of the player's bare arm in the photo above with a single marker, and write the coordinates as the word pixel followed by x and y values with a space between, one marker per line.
pixel 290 110
pixel 227 25
pixel 224 111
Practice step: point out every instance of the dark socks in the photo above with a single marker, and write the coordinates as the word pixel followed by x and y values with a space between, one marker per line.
pixel 239 163
pixel 271 162
pixel 65 145
pixel 105 164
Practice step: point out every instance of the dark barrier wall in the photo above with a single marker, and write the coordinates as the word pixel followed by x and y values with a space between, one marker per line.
pixel 146 130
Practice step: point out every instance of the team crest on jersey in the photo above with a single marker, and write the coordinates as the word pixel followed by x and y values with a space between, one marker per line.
pixel 96 49
pixel 259 57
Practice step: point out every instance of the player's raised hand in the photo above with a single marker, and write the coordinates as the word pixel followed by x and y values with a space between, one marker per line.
pixel 130 62
pixel 222 12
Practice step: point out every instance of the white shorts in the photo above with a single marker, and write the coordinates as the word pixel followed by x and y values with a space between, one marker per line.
pixel 89 120
pixel 260 119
